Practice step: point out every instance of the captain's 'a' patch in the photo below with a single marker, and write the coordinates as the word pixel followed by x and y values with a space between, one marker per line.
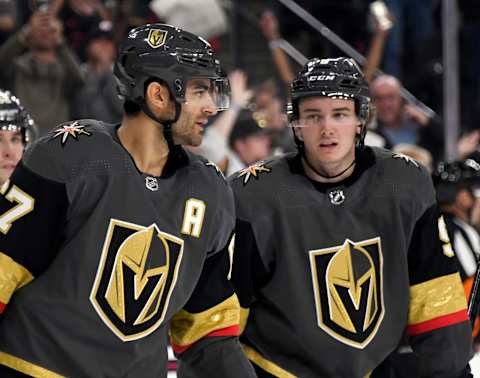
pixel 348 289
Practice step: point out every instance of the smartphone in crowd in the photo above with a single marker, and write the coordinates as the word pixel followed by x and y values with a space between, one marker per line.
pixel 379 11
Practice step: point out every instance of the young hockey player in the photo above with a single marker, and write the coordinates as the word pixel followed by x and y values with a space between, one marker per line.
pixel 337 247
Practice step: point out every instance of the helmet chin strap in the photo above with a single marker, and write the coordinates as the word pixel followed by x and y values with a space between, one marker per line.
pixel 301 149
pixel 324 175
pixel 167 124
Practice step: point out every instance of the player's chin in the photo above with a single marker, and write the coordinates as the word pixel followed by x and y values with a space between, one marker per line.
pixel 4 176
pixel 195 140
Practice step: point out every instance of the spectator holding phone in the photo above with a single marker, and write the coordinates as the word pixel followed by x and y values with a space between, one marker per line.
pixel 41 69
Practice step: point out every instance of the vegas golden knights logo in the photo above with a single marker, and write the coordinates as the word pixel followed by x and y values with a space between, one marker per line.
pixel 348 289
pixel 157 38
pixel 137 273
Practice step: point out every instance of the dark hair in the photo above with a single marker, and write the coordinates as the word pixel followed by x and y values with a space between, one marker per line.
pixel 131 108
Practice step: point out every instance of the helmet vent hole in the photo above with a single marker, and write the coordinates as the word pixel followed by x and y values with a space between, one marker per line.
pixel 196 60
pixel 203 62
pixel 185 38
pixel 348 83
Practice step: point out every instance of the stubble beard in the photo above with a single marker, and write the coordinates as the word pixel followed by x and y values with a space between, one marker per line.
pixel 184 132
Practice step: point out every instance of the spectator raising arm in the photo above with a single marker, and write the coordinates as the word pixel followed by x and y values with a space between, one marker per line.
pixel 270 29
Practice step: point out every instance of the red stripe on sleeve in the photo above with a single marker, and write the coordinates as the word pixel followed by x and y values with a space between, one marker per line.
pixel 228 331
pixel 179 349
pixel 440 322
pixel 2 307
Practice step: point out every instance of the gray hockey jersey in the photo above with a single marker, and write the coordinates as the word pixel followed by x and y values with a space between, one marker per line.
pixel 332 275
pixel 98 260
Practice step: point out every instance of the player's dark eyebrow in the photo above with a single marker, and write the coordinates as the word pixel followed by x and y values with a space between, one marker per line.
pixel 341 109
pixel 316 110
pixel 14 132
pixel 201 84
pixel 312 110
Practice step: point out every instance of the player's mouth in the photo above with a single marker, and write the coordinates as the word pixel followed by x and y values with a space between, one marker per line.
pixel 328 145
pixel 201 125
pixel 8 168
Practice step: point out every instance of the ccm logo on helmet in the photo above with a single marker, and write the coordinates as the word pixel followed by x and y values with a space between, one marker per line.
pixel 321 77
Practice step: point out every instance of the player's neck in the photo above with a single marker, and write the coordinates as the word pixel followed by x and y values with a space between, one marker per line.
pixel 329 174
pixel 144 140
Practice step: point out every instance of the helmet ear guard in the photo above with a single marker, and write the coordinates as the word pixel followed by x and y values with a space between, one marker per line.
pixel 293 115
pixel 365 114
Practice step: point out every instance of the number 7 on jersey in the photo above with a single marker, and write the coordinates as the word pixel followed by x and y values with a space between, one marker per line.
pixel 24 205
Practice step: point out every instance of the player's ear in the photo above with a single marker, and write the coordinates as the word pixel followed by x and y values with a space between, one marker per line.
pixel 157 95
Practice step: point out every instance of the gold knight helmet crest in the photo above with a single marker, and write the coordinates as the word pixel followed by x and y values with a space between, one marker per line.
pixel 348 288
pixel 157 38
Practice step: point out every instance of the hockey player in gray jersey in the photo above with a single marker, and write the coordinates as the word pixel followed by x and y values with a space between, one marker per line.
pixel 113 236
pixel 338 250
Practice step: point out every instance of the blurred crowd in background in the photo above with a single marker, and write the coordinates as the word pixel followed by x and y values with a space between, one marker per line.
pixel 57 57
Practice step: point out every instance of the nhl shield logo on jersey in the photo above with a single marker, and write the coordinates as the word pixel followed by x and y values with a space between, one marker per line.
pixel 348 290
pixel 337 197
pixel 136 275
pixel 151 183
pixel 253 171
pixel 157 38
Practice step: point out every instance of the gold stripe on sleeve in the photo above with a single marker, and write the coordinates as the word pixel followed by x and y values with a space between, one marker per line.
pixel 265 364
pixel 26 367
pixel 269 366
pixel 244 312
pixel 437 297
pixel 187 328
pixel 12 277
